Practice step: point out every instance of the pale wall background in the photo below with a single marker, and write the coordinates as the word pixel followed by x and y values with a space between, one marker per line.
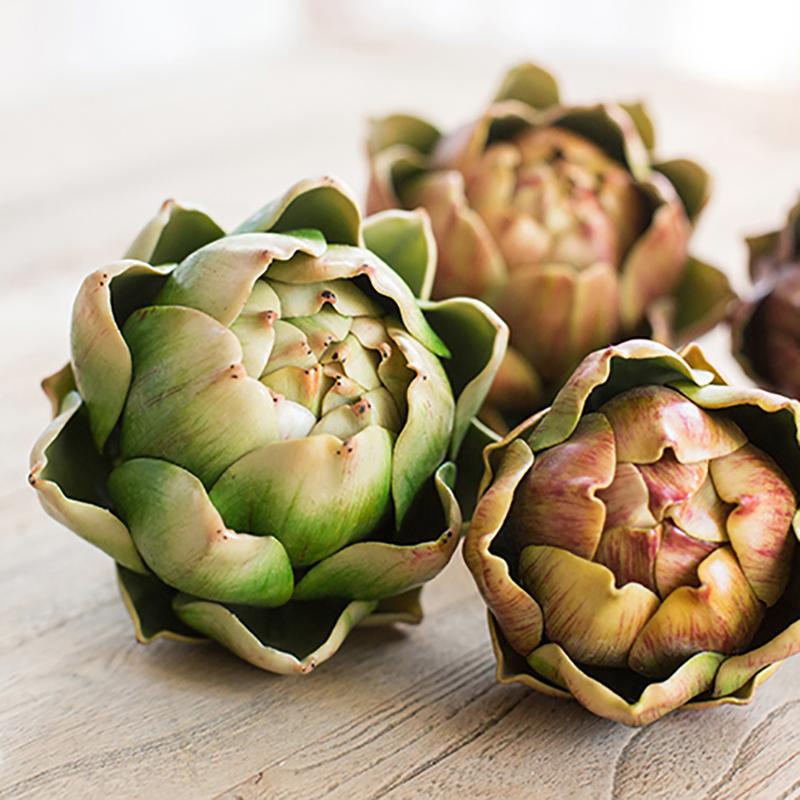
pixel 109 106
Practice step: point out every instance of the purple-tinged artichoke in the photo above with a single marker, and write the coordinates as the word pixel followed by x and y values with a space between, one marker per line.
pixel 635 543
pixel 561 219
pixel 766 327
pixel 260 427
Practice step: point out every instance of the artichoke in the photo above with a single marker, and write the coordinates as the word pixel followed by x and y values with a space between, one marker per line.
pixel 766 326
pixel 560 218
pixel 260 427
pixel 635 543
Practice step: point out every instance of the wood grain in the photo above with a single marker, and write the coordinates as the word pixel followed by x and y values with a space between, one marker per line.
pixel 84 711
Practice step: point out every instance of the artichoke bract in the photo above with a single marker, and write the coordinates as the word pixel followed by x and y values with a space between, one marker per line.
pixel 766 326
pixel 635 543
pixel 562 219
pixel 260 427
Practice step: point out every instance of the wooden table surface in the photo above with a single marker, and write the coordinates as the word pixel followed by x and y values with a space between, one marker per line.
pixel 415 712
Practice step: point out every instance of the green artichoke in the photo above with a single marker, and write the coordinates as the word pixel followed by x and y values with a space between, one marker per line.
pixel 561 219
pixel 260 427
pixel 766 326
pixel 636 542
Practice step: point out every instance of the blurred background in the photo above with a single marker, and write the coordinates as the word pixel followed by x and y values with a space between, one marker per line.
pixel 107 107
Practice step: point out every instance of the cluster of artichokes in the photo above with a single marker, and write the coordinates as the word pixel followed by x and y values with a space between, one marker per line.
pixel 277 434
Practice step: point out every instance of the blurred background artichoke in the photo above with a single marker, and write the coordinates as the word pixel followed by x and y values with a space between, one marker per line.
pixel 765 327
pixel 560 217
